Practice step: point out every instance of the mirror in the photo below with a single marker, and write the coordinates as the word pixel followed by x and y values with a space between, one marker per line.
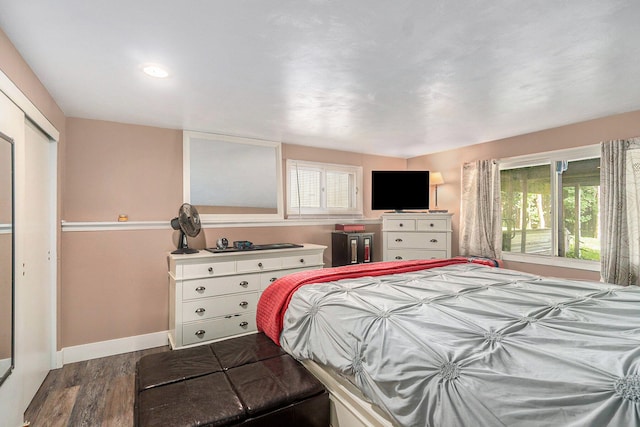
pixel 6 257
pixel 230 178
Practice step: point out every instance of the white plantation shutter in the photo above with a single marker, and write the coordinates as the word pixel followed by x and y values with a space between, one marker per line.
pixel 323 189
pixel 305 188
pixel 338 190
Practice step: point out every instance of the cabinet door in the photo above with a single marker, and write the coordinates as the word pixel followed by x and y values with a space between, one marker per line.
pixel 365 248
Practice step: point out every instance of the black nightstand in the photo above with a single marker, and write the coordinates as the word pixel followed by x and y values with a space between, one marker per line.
pixel 351 248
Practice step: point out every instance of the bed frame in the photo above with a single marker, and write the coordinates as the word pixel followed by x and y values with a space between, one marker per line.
pixel 348 406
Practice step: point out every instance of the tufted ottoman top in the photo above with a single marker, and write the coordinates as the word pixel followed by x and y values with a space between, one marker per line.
pixel 245 380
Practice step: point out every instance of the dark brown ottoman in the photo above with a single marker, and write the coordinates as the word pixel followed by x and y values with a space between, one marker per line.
pixel 244 381
pixel 164 368
pixel 246 349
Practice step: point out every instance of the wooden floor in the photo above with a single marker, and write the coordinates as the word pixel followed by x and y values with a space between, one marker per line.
pixel 96 392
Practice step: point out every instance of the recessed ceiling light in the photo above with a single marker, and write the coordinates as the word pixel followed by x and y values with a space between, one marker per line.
pixel 155 71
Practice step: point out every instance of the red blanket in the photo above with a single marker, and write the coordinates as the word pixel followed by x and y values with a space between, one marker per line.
pixel 275 299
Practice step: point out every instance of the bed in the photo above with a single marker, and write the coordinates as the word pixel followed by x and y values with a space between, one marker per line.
pixel 462 342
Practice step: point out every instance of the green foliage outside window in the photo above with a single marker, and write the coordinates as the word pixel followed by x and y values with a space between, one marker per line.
pixel 527 214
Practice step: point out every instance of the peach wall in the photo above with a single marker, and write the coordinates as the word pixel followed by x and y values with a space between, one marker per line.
pixel 15 67
pixel 575 135
pixel 114 285
pixel 115 282
pixel 115 168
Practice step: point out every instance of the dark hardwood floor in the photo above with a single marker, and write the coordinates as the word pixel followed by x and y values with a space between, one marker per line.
pixel 98 392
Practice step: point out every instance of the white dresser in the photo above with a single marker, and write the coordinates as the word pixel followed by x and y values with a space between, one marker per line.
pixel 407 236
pixel 215 295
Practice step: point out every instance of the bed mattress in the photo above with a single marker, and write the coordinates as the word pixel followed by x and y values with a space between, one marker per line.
pixel 468 344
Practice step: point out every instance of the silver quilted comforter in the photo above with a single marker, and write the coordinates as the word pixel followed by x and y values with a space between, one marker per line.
pixel 469 345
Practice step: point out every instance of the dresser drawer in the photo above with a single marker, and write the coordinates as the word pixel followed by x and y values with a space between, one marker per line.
pixel 399 224
pixel 268 278
pixel 409 254
pixel 417 241
pixel 432 225
pixel 207 308
pixel 302 261
pixel 196 332
pixel 253 265
pixel 200 288
pixel 206 269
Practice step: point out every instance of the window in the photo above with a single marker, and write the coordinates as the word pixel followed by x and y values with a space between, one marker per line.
pixel 323 189
pixel 550 204
pixel 232 179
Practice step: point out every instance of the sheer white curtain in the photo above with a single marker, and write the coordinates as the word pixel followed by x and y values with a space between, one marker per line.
pixel 620 211
pixel 480 210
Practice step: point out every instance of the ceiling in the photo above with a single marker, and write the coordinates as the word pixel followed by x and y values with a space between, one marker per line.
pixel 400 78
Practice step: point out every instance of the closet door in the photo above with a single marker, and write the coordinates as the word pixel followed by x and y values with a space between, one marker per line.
pixel 11 391
pixel 34 202
pixel 34 255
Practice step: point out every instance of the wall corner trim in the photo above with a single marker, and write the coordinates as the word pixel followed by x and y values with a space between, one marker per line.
pixel 67 226
pixel 115 225
pixel 95 350
pixel 9 88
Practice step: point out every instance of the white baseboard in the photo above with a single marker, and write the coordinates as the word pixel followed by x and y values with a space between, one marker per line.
pixel 95 350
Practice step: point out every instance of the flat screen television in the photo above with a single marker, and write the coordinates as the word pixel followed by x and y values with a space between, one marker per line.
pixel 399 190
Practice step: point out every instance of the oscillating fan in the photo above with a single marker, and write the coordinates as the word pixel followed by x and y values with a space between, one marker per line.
pixel 188 222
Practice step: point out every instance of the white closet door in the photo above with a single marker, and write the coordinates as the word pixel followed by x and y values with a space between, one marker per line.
pixel 11 396
pixel 33 232
pixel 34 281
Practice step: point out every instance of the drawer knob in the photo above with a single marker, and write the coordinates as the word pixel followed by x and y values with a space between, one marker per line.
pixel 199 333
pixel 244 283
pixel 200 310
pixel 244 324
pixel 273 279
pixel 210 269
pixel 260 264
pixel 398 257
pixel 398 240
pixel 401 225
pixel 434 240
pixel 244 304
pixel 302 260
pixel 200 289
pixel 431 225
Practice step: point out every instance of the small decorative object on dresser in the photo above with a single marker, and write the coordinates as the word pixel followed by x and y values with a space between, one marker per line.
pixel 222 243
pixel 349 228
pixel 407 236
pixel 214 295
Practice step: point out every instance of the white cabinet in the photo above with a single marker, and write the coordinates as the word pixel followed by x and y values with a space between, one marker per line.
pixel 407 236
pixel 215 295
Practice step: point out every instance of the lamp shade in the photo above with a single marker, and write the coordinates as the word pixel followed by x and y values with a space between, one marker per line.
pixel 435 178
